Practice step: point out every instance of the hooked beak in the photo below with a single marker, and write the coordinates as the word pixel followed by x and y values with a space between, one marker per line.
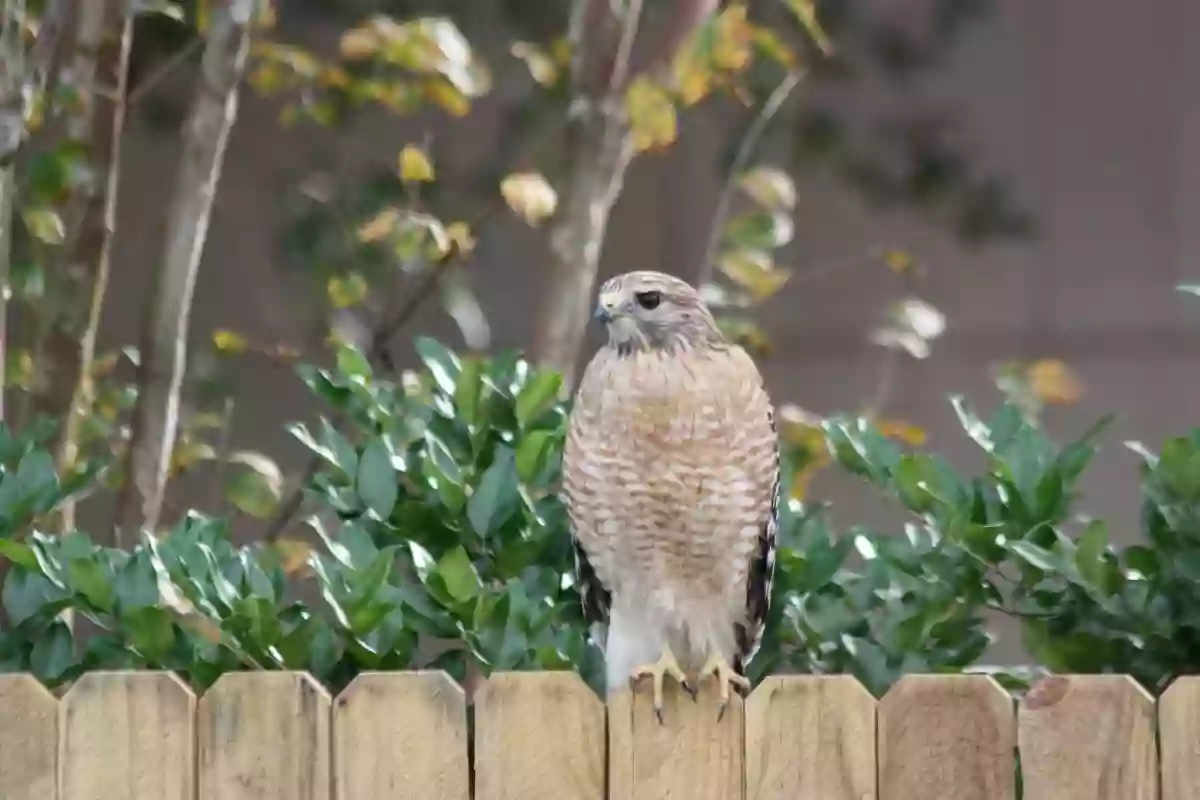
pixel 603 314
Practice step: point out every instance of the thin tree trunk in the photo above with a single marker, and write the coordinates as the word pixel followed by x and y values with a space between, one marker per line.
pixel 103 40
pixel 164 336
pixel 598 152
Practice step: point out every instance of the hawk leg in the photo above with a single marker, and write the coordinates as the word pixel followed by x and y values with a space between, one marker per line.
pixel 666 665
pixel 725 676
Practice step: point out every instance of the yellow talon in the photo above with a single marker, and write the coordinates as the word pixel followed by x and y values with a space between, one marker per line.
pixel 725 676
pixel 666 665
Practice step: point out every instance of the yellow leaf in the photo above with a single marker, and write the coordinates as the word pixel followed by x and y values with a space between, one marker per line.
pixel 902 431
pixel 461 238
pixel 448 97
pixel 733 39
pixel 753 271
pixel 1053 382
pixel 540 65
pixel 768 43
pixel 692 72
pixel 806 13
pixel 414 165
pixel 770 187
pixel 900 262
pixel 229 342
pixel 528 194
pixel 804 440
pixel 345 291
pixel 652 116
pixel 359 43
pixel 45 225
pixel 379 226
pixel 190 452
pixel 293 554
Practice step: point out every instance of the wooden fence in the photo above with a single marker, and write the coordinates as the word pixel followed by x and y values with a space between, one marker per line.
pixel 542 736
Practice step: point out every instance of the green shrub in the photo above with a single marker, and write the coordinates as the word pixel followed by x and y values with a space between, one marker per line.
pixel 444 545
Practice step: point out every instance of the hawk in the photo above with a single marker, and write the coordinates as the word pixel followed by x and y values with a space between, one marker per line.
pixel 671 483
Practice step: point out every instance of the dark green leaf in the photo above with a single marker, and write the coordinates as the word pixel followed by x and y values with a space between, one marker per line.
pixel 53 652
pixel 496 494
pixel 458 574
pixel 536 396
pixel 377 482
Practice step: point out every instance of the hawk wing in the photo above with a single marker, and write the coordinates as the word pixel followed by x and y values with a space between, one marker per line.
pixel 594 596
pixel 760 576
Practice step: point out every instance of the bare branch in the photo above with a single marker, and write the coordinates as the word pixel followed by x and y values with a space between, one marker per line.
pixel 688 15
pixel 598 153
pixel 101 59
pixel 741 160
pixel 164 337
pixel 163 71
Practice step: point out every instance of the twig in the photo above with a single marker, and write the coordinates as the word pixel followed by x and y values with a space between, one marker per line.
pixel 163 70
pixel 598 152
pixel 377 353
pixel 741 159
pixel 164 333
pixel 620 67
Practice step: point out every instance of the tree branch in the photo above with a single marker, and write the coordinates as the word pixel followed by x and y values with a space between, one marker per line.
pixel 598 151
pixel 164 337
pixel 163 70
pixel 103 41
pixel 741 160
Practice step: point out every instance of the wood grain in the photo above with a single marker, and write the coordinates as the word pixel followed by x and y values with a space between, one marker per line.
pixel 689 756
pixel 401 736
pixel 28 739
pixel 1088 737
pixel 127 736
pixel 809 738
pixel 946 737
pixel 264 736
pixel 538 736
pixel 1179 738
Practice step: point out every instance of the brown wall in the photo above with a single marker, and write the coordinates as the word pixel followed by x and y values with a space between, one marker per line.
pixel 1089 109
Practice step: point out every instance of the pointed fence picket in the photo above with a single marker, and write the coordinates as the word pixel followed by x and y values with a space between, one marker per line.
pixel 546 736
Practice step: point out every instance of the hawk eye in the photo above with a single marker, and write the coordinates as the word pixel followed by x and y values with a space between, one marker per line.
pixel 648 300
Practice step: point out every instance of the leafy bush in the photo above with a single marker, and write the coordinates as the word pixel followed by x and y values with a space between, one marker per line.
pixel 443 544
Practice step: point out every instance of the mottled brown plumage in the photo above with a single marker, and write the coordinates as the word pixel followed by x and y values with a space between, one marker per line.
pixel 670 476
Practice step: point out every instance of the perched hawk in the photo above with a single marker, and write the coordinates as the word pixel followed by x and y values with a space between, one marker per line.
pixel 670 477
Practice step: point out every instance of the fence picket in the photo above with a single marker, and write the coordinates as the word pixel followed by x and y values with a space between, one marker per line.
pixel 127 736
pixel 28 739
pixel 807 738
pixel 538 736
pixel 264 736
pixel 689 755
pixel 1179 736
pixel 542 736
pixel 402 736
pixel 946 737
pixel 1088 737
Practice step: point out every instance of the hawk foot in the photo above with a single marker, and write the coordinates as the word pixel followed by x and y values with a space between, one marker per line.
pixel 725 676
pixel 666 665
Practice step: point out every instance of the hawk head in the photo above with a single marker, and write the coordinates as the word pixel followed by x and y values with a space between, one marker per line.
pixel 652 311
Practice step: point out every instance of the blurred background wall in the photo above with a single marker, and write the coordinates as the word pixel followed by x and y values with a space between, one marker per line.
pixel 1087 109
